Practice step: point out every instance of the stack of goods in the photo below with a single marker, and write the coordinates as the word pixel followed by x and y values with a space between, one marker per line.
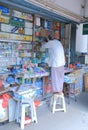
pixel 48 86
pixel 74 79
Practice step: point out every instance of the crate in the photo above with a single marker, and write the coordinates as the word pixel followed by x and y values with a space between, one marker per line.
pixel 48 86
pixel 73 86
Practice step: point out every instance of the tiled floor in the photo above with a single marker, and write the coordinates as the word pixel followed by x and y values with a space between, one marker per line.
pixel 76 117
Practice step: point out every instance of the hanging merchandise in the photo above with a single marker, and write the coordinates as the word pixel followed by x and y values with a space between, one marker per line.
pixel 48 24
pixel 46 33
pixel 43 32
pixel 42 22
pixel 56 26
pixel 37 21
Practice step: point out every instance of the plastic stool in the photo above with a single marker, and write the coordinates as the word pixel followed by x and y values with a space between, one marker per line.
pixel 20 113
pixel 33 113
pixel 58 100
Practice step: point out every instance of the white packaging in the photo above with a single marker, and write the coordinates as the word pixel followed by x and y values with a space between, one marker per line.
pixel 2 110
pixel 5 28
pixel 28 25
pixel 28 31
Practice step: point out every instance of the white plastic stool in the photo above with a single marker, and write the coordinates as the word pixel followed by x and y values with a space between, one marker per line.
pixel 21 109
pixel 58 100
pixel 32 108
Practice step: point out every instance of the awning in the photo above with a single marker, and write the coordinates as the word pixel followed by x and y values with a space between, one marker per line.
pixel 29 7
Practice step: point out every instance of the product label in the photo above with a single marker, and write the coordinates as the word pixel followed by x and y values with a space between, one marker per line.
pixel 17 22
pixel 4 10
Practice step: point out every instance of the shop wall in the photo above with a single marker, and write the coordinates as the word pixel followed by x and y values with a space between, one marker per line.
pixel 81 40
pixel 86 8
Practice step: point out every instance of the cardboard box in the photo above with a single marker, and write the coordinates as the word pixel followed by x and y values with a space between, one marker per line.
pixel 86 82
pixel 6 116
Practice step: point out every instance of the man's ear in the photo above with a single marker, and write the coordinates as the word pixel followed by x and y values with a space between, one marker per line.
pixel 45 39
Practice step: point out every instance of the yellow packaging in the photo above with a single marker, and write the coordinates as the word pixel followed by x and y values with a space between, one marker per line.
pixel 28 38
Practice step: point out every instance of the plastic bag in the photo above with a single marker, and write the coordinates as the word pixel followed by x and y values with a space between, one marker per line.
pixel 2 110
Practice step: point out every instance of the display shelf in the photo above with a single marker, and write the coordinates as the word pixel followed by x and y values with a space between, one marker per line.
pixel 16 33
pixel 16 26
pixel 9 52
pixel 21 41
pixel 42 28
pixel 14 52
pixel 8 40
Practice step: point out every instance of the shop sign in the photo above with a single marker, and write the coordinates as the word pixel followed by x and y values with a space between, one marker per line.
pixel 4 10
pixel 85 29
pixel 17 22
